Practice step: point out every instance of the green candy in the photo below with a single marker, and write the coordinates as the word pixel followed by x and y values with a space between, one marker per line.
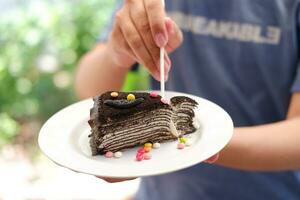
pixel 182 139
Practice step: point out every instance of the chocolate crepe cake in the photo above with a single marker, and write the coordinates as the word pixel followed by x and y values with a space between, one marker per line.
pixel 122 120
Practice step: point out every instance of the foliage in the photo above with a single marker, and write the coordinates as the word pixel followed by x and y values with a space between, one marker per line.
pixel 137 80
pixel 8 128
pixel 41 42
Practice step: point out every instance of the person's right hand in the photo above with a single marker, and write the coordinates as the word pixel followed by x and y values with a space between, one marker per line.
pixel 140 29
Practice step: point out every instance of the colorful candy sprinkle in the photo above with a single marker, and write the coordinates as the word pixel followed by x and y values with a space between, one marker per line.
pixel 180 146
pixel 130 97
pixel 114 94
pixel 156 145
pixel 153 94
pixel 164 101
pixel 143 153
pixel 148 144
pixel 118 154
pixel 188 143
pixel 141 150
pixel 109 154
pixel 196 124
pixel 147 149
pixel 140 157
pixel 147 156
pixel 183 139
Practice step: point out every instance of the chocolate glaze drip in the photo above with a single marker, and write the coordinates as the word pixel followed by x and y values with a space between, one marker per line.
pixel 123 103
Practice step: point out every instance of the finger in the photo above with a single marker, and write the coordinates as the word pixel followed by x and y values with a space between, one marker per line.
pixel 169 25
pixel 115 180
pixel 167 60
pixel 123 56
pixel 156 15
pixel 167 66
pixel 139 17
pixel 137 45
pixel 212 159
pixel 175 36
pixel 121 44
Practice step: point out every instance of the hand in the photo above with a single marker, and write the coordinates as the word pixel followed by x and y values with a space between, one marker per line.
pixel 140 29
pixel 212 159
pixel 115 180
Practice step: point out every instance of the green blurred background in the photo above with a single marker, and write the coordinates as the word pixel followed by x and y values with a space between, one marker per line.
pixel 41 42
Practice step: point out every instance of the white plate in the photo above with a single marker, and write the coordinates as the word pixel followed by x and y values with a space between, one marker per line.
pixel 64 139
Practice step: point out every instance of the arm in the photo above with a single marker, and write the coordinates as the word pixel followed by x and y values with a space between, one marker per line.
pixel 268 147
pixel 97 73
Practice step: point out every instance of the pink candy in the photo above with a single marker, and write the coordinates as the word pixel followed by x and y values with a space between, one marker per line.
pixel 141 150
pixel 142 155
pixel 153 94
pixel 165 101
pixel 139 157
pixel 147 156
pixel 180 146
pixel 109 154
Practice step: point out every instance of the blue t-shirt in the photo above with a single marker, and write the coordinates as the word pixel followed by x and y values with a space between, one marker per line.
pixel 242 55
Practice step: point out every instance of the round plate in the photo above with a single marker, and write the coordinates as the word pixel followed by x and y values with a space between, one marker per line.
pixel 64 139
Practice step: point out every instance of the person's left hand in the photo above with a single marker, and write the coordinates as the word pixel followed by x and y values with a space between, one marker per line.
pixel 212 159
pixel 115 180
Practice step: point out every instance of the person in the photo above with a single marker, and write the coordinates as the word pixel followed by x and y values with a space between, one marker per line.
pixel 240 54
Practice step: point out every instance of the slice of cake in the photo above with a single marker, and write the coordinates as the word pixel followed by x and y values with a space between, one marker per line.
pixel 120 120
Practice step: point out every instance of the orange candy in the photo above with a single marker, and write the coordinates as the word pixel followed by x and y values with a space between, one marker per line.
pixel 114 94
pixel 147 149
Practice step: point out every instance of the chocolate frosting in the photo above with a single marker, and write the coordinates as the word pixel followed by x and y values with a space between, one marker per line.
pixel 123 103
pixel 105 112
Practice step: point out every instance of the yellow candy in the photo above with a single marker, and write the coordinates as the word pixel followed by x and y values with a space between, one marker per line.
pixel 130 97
pixel 147 149
pixel 114 94
pixel 182 140
pixel 148 144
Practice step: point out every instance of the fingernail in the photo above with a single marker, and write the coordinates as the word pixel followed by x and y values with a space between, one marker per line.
pixel 167 59
pixel 160 40
pixel 166 76
pixel 167 69
pixel 172 31
pixel 167 66
pixel 167 73
pixel 169 25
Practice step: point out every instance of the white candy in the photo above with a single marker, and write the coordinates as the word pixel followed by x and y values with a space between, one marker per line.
pixel 196 124
pixel 118 154
pixel 156 145
pixel 188 143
